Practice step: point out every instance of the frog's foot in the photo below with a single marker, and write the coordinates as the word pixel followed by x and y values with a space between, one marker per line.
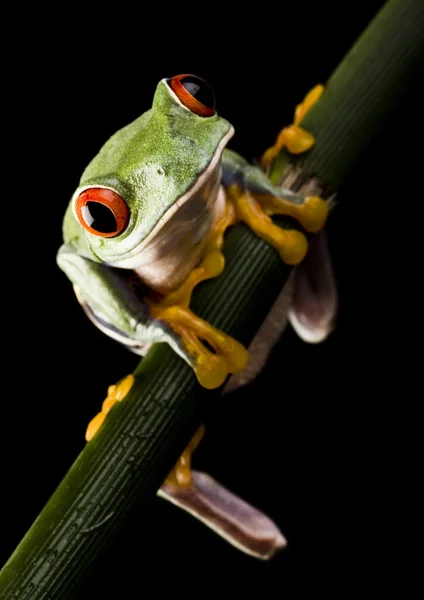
pixel 115 393
pixel 228 515
pixel 308 102
pixel 211 368
pixel 290 243
pixel 311 211
pixel 293 137
pixel 228 355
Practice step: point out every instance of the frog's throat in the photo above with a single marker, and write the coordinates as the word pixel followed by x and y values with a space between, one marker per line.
pixel 133 261
pixel 179 246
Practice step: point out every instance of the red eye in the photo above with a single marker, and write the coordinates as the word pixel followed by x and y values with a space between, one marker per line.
pixel 102 212
pixel 195 93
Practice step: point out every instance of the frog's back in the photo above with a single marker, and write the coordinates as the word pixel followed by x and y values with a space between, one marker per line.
pixel 113 155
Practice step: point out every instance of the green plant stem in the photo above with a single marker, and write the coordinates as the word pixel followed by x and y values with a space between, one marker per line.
pixel 120 471
pixel 363 94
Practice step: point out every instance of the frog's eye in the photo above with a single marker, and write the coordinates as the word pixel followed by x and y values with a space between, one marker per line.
pixel 102 212
pixel 195 93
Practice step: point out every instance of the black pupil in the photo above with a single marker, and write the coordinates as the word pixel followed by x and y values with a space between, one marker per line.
pixel 200 90
pixel 99 217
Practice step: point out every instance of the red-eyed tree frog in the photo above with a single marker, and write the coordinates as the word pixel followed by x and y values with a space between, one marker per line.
pixel 146 224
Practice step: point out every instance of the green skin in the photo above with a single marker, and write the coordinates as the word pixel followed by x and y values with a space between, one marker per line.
pixel 151 163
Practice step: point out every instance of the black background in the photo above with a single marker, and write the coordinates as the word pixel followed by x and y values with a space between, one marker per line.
pixel 328 440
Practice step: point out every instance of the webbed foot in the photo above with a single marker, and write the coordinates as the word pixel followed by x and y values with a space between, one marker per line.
pixel 239 523
pixel 115 393
pixel 294 137
pixel 255 211
pixel 211 368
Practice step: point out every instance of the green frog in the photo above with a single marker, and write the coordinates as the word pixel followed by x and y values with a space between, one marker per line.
pixel 146 224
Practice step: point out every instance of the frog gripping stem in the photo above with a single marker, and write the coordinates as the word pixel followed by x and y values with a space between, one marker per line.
pixel 211 368
pixel 57 554
pixel 294 138
pixel 115 393
pixel 227 356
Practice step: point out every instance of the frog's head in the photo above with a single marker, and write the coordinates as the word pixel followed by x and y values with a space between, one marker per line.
pixel 148 169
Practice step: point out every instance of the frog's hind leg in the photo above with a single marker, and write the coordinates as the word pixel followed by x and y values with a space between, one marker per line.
pixel 181 474
pixel 229 516
pixel 314 302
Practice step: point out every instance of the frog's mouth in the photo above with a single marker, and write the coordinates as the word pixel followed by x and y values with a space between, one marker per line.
pixel 133 261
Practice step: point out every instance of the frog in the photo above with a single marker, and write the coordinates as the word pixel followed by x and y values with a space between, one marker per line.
pixel 146 224
pixel 156 202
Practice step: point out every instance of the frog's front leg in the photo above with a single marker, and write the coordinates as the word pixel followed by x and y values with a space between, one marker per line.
pixel 228 356
pixel 211 368
pixel 111 303
pixel 244 526
pixel 255 199
pixel 212 263
pixel 294 137
pixel 117 309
